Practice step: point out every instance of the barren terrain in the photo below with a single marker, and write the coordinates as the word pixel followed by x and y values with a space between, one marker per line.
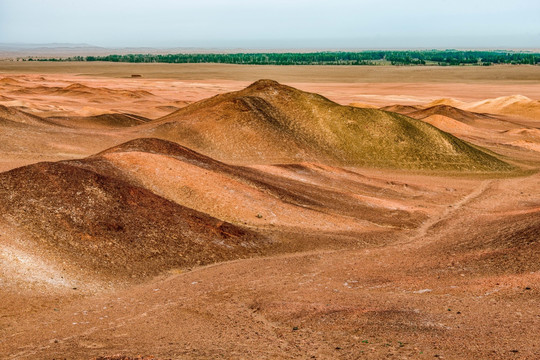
pixel 200 212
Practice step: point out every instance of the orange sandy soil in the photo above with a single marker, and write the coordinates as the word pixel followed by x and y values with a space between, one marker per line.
pixel 422 266
pixel 53 94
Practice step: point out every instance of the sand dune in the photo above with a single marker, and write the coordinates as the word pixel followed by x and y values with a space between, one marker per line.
pixel 169 108
pixel 69 97
pixel 515 105
pixel 482 128
pixel 78 88
pixel 497 104
pixel 475 126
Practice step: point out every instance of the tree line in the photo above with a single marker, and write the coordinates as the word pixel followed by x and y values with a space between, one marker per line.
pixel 382 57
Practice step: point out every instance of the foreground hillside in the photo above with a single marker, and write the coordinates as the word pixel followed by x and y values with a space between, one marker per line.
pixel 461 278
pixel 149 205
pixel 270 122
pixel 247 195
pixel 91 220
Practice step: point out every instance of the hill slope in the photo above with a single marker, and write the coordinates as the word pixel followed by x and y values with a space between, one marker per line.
pixel 269 123
pixel 401 109
pixel 516 105
pixel 10 116
pixel 246 195
pixel 452 112
pixel 91 219
pixel 83 91
pixel 513 105
pixel 115 120
pixel 149 205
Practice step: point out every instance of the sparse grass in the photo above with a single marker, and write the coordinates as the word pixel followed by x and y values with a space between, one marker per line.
pixel 271 118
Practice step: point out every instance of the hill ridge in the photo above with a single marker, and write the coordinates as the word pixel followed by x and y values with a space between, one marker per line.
pixel 453 112
pixel 109 226
pixel 268 122
pixel 14 117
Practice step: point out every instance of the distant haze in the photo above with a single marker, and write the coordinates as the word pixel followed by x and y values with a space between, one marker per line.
pixel 274 24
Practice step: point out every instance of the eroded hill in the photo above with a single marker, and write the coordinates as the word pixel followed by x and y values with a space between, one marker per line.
pixel 91 219
pixel 150 205
pixel 270 123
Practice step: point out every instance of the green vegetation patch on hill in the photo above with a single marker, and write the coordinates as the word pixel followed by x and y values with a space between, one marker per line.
pixel 269 119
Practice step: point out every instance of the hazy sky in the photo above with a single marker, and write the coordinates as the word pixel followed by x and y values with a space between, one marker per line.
pixel 274 23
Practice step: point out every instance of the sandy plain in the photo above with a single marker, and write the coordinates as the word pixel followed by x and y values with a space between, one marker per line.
pixel 345 261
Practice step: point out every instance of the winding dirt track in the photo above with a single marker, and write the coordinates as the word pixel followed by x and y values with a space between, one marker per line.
pixel 413 301
pixel 449 210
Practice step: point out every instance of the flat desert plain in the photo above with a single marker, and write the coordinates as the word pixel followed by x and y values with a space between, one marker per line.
pixel 204 211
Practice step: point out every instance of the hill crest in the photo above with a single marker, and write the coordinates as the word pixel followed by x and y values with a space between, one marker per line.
pixel 268 122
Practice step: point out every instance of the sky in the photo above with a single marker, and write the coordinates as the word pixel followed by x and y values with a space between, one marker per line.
pixel 274 24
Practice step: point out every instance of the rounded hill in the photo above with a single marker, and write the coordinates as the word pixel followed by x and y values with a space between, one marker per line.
pixel 268 123
pixel 83 215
